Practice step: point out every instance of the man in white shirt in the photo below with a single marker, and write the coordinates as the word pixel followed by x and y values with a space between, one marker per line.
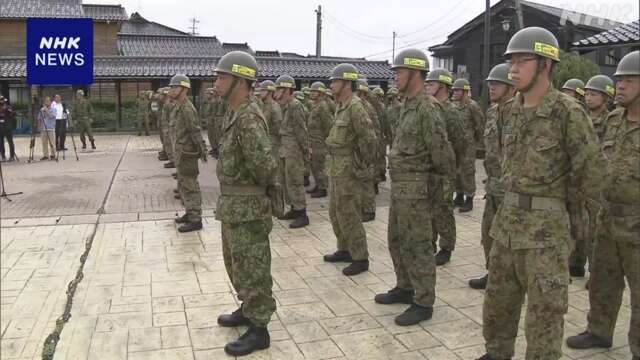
pixel 61 122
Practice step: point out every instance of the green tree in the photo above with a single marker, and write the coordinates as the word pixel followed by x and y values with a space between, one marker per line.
pixel 573 66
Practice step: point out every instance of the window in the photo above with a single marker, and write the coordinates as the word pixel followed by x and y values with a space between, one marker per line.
pixel 445 63
pixel 611 57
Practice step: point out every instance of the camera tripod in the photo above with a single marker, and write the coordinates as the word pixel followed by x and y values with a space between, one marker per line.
pixel 4 194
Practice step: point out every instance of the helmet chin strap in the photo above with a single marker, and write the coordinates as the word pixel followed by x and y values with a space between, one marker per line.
pixel 534 81
pixel 227 93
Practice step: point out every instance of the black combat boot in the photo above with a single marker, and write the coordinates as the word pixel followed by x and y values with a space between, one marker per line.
pixel 442 257
pixel 163 157
pixel 468 205
pixel 413 315
pixel 182 219
pixel 176 191
pixel 236 318
pixel 459 200
pixel 177 196
pixel 395 296
pixel 315 188
pixel 300 220
pixel 338 256
pixel 368 216
pixel 306 180
pixel 289 215
pixel 489 357
pixel 480 283
pixel 93 144
pixel 190 226
pixel 356 267
pixel 587 340
pixel 576 271
pixel 256 338
pixel 320 193
pixel 170 165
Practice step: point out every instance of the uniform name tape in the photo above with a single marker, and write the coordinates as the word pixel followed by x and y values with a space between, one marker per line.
pixel 185 83
pixel 546 49
pixel 350 75
pixel 610 90
pixel 415 62
pixel 580 91
pixel 286 84
pixel 466 87
pixel 243 70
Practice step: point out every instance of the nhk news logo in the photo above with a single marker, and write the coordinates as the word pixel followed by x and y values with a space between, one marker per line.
pixel 59 51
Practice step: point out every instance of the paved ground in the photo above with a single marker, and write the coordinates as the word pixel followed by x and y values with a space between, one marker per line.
pixel 148 292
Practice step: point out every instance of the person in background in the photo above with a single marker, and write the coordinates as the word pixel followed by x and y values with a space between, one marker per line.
pixel 61 122
pixel 7 124
pixel 46 125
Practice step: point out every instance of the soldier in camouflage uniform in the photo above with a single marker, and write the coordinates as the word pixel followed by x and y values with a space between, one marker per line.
pixel 420 150
pixel 369 189
pixel 377 100
pixel 393 112
pixel 303 98
pixel 218 110
pixel 167 137
pixel 575 89
pixel 549 151
pixel 351 146
pixel 188 148
pixel 247 171
pixel 82 115
pixel 616 254
pixel 437 84
pixel 473 121
pixel 205 111
pixel 599 92
pixel 272 113
pixel 294 151
pixel 155 115
pixel 320 121
pixel 142 113
pixel 501 93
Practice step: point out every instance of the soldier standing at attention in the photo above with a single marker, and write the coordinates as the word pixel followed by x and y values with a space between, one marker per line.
pixel 320 121
pixel 142 113
pixel 501 93
pixel 155 116
pixel 575 89
pixel 599 92
pixel 82 115
pixel 616 254
pixel 272 113
pixel 473 122
pixel 393 112
pixel 420 150
pixel 165 120
pixel 370 188
pixel 189 147
pixel 351 146
pixel 246 170
pixel 205 112
pixel 294 150
pixel 218 110
pixel 549 152
pixel 444 223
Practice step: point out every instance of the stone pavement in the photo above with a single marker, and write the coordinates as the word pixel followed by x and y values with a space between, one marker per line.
pixel 148 292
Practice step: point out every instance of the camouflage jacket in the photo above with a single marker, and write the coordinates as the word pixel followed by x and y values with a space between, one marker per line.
pixel 551 153
pixel 393 115
pixel 218 107
pixel 493 146
pixel 82 110
pixel 420 146
pixel 621 147
pixel 293 130
pixel 273 117
pixel 332 106
pixel 247 165
pixel 455 127
pixel 385 129
pixel 473 119
pixel 142 107
pixel 599 123
pixel 320 120
pixel 187 135
pixel 351 141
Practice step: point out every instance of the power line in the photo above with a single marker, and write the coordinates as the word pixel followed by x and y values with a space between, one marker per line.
pixel 446 14
pixel 406 45
pixel 336 20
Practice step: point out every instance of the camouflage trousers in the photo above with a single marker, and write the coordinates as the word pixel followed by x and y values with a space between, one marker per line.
pixel 368 196
pixel 143 121
pixel 293 166
pixel 247 259
pixel 189 188
pixel 166 141
pixel 616 256
pixel 381 164
pixel 443 223
pixel 582 219
pixel 318 157
pixel 344 213
pixel 466 173
pixel 543 276
pixel 84 129
pixel 410 243
pixel 491 204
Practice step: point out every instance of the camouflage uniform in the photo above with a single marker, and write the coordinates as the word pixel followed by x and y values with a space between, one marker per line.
pixel 383 139
pixel 155 115
pixel 351 145
pixel 493 156
pixel 188 148
pixel 599 123
pixel 142 112
pixel 617 242
pixel 441 188
pixel 548 151
pixel 420 150
pixel 247 166
pixel 320 120
pixel 167 137
pixel 294 151
pixel 393 116
pixel 473 122
pixel 218 111
pixel 368 188
pixel 273 117
pixel 82 115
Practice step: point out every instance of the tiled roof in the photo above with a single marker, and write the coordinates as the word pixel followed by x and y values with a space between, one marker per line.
pixel 140 26
pixel 164 67
pixel 228 47
pixel 575 17
pixel 268 53
pixel 621 35
pixel 21 9
pixel 162 45
pixel 105 12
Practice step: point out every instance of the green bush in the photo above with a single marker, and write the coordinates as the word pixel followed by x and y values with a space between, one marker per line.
pixel 106 116
pixel 573 66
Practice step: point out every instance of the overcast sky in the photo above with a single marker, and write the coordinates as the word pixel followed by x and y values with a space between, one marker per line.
pixel 350 28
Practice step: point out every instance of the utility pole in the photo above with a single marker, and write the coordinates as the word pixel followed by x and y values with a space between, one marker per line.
pixel 519 20
pixel 319 31
pixel 487 50
pixel 393 51
pixel 194 26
